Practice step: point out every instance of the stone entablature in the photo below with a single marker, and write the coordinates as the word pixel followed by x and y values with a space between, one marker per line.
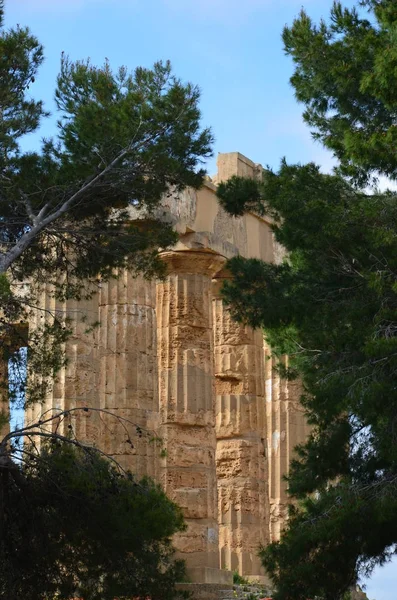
pixel 167 356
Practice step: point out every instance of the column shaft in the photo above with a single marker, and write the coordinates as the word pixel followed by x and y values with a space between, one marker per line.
pixel 186 392
pixel 287 427
pixel 240 413
pixel 76 384
pixel 128 372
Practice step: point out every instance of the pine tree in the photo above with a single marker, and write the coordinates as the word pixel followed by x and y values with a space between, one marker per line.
pixel 81 209
pixel 73 525
pixel 345 77
pixel 332 304
pixel 86 205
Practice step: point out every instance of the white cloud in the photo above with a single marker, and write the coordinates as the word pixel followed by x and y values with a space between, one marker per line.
pixel 293 127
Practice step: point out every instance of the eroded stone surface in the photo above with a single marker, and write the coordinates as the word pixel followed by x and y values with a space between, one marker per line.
pixel 240 428
pixel 167 358
pixel 286 428
pixel 187 396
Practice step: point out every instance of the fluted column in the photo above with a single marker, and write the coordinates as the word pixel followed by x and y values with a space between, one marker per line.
pixel 128 372
pixel 76 384
pixel 111 365
pixel 240 426
pixel 287 427
pixel 186 392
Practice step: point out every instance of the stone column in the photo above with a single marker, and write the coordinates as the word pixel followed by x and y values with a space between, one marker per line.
pixel 240 455
pixel 128 372
pixel 76 384
pixel 287 427
pixel 186 392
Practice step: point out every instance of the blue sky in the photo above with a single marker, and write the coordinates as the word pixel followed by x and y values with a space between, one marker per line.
pixel 231 48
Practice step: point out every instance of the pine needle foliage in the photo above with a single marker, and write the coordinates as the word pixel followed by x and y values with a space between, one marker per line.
pixel 332 303
pixel 74 526
pixel 87 203
pixel 74 213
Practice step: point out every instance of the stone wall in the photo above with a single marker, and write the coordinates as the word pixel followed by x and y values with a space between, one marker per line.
pixel 166 357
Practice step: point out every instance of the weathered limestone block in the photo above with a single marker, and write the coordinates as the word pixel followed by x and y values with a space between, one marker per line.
pixel 112 366
pixel 76 384
pixel 234 163
pixel 127 349
pixel 240 455
pixel 287 427
pixel 168 358
pixel 186 393
pixel 81 376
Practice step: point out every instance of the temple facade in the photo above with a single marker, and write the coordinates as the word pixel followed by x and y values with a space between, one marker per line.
pixel 167 357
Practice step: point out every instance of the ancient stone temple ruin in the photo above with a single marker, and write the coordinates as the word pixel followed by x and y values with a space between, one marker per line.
pixel 167 356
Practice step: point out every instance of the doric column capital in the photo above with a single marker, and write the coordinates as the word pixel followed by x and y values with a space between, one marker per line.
pixel 193 262
pixel 218 281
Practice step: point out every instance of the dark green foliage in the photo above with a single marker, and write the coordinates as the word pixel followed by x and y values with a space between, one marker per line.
pixel 124 141
pixel 20 57
pixel 239 195
pixel 88 203
pixel 73 214
pixel 345 74
pixel 239 579
pixel 72 526
pixel 332 306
